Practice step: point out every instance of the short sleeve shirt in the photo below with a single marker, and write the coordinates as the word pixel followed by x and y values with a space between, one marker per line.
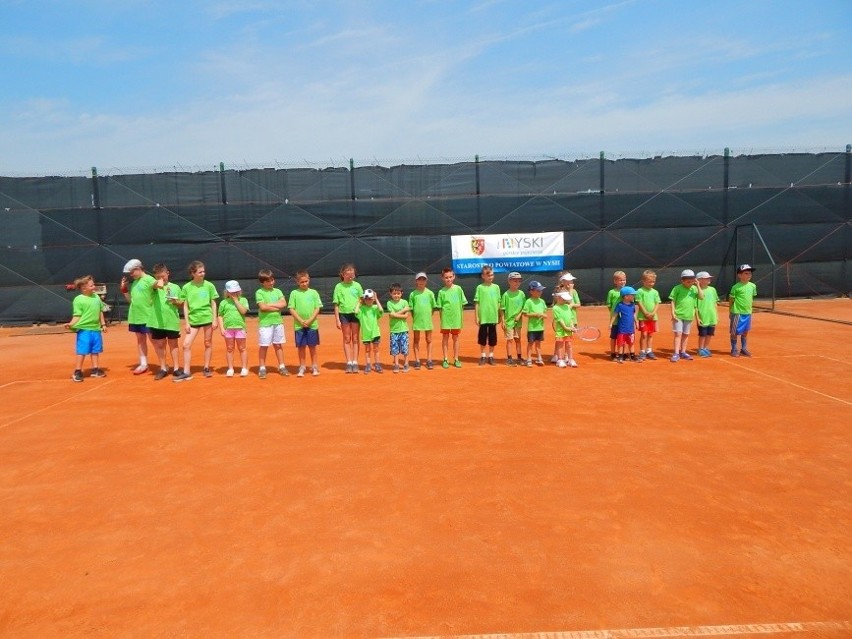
pixel 487 297
pixel 398 324
pixel 613 297
pixel 684 300
pixel 708 312
pixel 165 315
pixel 346 296
pixel 198 298
pixel 368 316
pixel 533 305
pixel 742 298
pixel 231 317
pixel 649 298
pixel 562 314
pixel 451 301
pixel 141 299
pixel 305 303
pixel 268 296
pixel 88 309
pixel 625 318
pixel 423 304
pixel 513 304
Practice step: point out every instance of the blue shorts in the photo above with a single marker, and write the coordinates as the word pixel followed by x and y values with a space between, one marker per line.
pixel 349 318
pixel 535 336
pixel 307 337
pixel 399 343
pixel 613 331
pixel 740 324
pixel 89 342
pixel 138 328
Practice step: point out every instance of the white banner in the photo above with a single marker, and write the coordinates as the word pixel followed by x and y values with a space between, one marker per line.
pixel 508 252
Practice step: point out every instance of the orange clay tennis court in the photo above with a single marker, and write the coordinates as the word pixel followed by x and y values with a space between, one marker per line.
pixel 704 498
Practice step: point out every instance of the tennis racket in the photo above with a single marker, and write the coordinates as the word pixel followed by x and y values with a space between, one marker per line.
pixel 587 333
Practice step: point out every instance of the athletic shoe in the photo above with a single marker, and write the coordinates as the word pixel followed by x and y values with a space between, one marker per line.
pixel 140 370
pixel 510 362
pixel 160 374
pixel 554 359
pixel 708 353
pixel 675 357
pixel 572 363
pixel 348 368
pixel 528 363
pixel 282 370
pixel 745 353
pixel 632 357
pixel 301 372
pixel 176 372
pixel 367 369
pixel 561 363
pixel 539 362
pixel 261 373
pixel 429 364
pixel 444 364
pixel 77 376
pixel 613 357
pixel 99 372
pixel 208 372
pixel 686 356
pixel 244 372
pixel 396 368
pixel 405 368
pixel 416 364
pixel 457 363
pixel 355 369
pixel 650 355
pixel 314 371
pixel 378 368
pixel 182 377
pixel 703 352
pixel 641 357
pixel 619 359
pixel 482 361
pixel 228 373
pixel 491 361
pixel 734 352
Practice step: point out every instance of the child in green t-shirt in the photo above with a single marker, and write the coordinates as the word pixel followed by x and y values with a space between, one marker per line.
pixel 684 298
pixel 199 314
pixel 511 306
pixel 423 306
pixel 399 312
pixel 535 310
pixel 305 305
pixel 368 311
pixel 708 313
pixel 488 313
pixel 613 297
pixel 233 311
pixel 271 302
pixel 741 300
pixel 451 301
pixel 87 320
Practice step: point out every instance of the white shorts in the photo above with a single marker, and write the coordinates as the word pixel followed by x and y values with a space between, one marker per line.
pixel 267 335
pixel 681 326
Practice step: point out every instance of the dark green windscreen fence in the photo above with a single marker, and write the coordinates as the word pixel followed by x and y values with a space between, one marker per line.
pixel 663 213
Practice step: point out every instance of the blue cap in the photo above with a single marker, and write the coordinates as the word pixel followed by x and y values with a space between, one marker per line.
pixel 628 290
pixel 535 285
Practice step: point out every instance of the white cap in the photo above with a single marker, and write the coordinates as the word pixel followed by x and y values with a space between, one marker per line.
pixel 131 265
pixel 565 295
pixel 514 275
pixel 421 274
pixel 369 293
pixel 687 273
pixel 232 286
pixel 703 275
pixel 567 278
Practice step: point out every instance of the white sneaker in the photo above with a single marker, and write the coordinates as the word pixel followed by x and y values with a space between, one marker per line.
pixel 244 372
pixel 315 371
pixel 301 372
pixel 229 372
pixel 554 359
pixel 572 363
pixel 561 363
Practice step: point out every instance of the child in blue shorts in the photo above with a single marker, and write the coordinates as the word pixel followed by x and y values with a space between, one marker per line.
pixel 87 320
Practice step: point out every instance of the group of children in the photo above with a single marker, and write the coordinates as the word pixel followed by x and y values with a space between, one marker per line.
pixel 693 300
pixel 156 305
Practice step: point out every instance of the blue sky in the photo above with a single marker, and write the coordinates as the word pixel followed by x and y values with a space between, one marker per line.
pixel 133 84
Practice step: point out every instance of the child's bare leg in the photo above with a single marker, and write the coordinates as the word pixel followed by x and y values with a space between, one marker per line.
pixel 445 343
pixel 172 345
pixel 279 354
pixel 208 346
pixel 456 347
pixel 261 356
pixel 313 350
pixel 96 360
pixel 187 349
pixel 428 336
pixel 241 346
pixel 229 353
pixel 416 346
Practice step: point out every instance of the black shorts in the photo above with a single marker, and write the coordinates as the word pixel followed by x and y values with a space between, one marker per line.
pixel 349 318
pixel 613 331
pixel 706 331
pixel 487 335
pixel 161 333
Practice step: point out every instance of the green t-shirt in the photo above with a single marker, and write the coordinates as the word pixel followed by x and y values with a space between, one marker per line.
pixel 346 296
pixel 513 304
pixel 708 313
pixel 422 304
pixel 451 301
pixel 742 296
pixel 649 298
pixel 165 315
pixel 533 305
pixel 684 300
pixel 231 316
pixel 141 299
pixel 198 298
pixel 304 303
pixel 613 297
pixel 487 297
pixel 368 316
pixel 268 296
pixel 397 324
pixel 88 309
pixel 562 313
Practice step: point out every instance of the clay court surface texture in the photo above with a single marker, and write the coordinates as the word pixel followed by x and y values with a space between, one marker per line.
pixel 702 498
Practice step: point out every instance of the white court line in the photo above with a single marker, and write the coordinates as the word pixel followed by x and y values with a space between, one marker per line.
pixel 48 407
pixel 786 381
pixel 32 381
pixel 682 631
